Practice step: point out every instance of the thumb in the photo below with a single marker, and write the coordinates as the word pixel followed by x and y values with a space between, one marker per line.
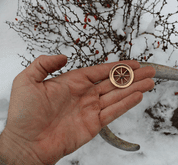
pixel 41 66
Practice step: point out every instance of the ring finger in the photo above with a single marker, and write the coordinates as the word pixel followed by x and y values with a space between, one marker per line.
pixel 117 95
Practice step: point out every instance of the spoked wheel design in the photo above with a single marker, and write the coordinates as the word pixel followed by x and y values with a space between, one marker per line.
pixel 121 75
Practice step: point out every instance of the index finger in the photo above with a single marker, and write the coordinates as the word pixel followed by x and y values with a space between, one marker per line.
pixel 101 72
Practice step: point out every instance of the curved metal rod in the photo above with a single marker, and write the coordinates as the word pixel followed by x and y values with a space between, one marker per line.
pixel 112 139
pixel 162 72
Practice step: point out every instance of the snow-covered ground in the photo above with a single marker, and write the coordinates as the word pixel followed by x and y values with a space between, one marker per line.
pixel 134 126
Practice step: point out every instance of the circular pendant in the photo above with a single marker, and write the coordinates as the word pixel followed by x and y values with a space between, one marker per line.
pixel 121 75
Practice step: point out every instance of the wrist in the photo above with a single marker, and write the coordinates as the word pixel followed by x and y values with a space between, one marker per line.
pixel 16 151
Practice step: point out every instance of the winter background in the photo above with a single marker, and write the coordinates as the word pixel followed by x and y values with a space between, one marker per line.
pixel 158 140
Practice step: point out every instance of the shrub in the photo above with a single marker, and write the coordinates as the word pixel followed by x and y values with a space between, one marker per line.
pixel 90 32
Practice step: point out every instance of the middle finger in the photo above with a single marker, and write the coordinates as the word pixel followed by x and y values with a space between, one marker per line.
pixel 139 74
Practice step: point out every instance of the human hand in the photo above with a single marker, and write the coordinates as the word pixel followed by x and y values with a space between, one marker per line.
pixel 56 116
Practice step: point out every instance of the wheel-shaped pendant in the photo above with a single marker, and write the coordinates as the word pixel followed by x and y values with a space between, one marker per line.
pixel 121 75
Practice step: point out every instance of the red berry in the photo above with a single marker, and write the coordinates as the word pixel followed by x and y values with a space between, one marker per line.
pixel 108 5
pixel 144 57
pixel 85 26
pixel 95 17
pixel 85 20
pixel 42 7
pixel 16 19
pixel 89 43
pixel 106 58
pixel 66 19
pixel 97 51
pixel 130 43
pixel 176 93
pixel 89 20
pixel 77 40
pixel 158 45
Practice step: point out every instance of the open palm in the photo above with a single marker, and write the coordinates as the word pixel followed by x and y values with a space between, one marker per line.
pixel 56 116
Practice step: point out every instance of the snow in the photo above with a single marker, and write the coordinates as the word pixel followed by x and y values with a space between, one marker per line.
pixel 134 126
